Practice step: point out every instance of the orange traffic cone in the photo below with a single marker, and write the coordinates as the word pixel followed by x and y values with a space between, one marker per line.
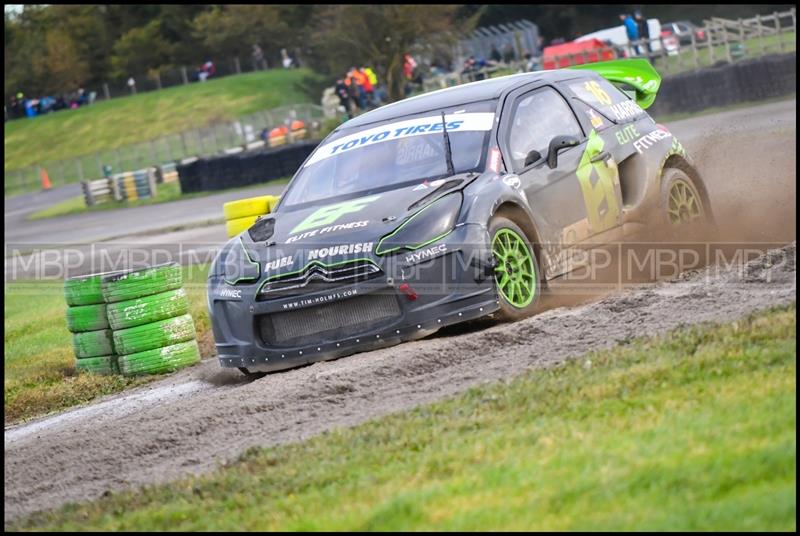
pixel 45 179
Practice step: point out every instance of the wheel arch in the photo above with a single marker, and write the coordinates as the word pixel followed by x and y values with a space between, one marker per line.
pixel 677 161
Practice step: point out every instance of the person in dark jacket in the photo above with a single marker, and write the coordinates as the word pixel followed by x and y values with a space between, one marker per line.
pixel 643 31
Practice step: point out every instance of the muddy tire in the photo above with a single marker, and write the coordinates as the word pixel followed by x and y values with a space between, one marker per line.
pixel 82 318
pixel 105 365
pixel 137 284
pixel 518 279
pixel 685 206
pixel 130 313
pixel 154 335
pixel 160 360
pixel 93 343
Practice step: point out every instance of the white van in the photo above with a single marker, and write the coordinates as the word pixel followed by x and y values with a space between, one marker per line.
pixel 619 37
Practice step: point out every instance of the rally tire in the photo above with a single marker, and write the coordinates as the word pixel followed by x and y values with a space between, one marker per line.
pixel 154 335
pixel 685 205
pixel 105 365
pixel 234 227
pixel 518 279
pixel 93 343
pixel 252 206
pixel 130 313
pixel 82 318
pixel 160 360
pixel 136 284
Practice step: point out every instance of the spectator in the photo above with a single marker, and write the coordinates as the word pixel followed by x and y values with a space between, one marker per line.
pixel 643 30
pixel 366 83
pixel 352 91
pixel 494 55
pixel 258 58
pixel 285 59
pixel 509 54
pixel 344 97
pixel 409 66
pixel 630 29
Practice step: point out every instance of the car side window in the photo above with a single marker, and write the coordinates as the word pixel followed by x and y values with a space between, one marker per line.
pixel 538 117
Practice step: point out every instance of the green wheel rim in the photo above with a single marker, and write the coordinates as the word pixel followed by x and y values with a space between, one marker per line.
pixel 515 273
pixel 684 203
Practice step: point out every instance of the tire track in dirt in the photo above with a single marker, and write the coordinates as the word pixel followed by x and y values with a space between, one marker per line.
pixel 157 433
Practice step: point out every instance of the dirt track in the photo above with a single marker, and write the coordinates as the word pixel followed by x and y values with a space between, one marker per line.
pixel 194 419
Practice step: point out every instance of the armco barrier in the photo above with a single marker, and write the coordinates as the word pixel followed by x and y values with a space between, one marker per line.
pixel 761 78
pixel 244 168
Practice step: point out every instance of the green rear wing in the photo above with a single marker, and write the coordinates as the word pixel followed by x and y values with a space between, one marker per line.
pixel 636 73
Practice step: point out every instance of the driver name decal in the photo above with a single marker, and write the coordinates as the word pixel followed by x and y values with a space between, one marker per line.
pixel 403 129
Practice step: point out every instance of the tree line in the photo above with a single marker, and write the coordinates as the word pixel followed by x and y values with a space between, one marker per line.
pixel 51 49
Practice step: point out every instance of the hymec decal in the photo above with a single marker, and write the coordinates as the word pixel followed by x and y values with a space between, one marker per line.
pixel 225 292
pixel 650 139
pixel 344 249
pixel 403 129
pixel 330 213
pixel 426 253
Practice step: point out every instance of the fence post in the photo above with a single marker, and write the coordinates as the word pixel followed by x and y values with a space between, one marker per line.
pixel 710 49
pixel 183 143
pixel 80 168
pixel 106 92
pixel 237 65
pixel 778 30
pixel 158 80
pixel 694 52
pixel 741 35
pixel 183 75
pixel 760 35
pixel 727 46
pixel 119 161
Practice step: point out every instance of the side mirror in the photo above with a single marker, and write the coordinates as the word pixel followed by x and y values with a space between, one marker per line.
pixel 532 157
pixel 557 144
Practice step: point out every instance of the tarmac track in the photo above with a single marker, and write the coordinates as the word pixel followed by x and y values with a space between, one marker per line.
pixel 197 418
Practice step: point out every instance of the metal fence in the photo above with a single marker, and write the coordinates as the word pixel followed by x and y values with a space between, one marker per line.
pixel 208 141
pixel 726 41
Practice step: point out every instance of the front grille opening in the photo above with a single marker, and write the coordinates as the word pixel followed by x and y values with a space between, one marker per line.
pixel 318 278
pixel 328 322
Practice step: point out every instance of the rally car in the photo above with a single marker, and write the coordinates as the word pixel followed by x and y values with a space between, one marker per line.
pixel 447 207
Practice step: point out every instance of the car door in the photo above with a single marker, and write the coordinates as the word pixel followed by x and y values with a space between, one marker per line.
pixel 570 201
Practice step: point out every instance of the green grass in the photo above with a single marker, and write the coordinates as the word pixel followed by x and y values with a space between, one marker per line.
pixel 753 48
pixel 39 363
pixel 166 193
pixel 691 431
pixel 127 120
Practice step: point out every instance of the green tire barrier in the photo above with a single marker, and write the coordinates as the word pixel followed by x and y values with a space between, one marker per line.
pixel 87 318
pixel 130 285
pixel 154 335
pixel 93 343
pixel 130 313
pixel 98 365
pixel 85 290
pixel 160 360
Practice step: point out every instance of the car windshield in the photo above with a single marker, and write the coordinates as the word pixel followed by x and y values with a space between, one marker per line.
pixel 378 158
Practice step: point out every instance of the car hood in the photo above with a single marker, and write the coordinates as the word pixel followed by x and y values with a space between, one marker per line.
pixel 342 231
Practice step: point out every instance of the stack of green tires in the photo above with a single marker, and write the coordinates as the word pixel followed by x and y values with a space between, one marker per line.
pixel 86 319
pixel 148 312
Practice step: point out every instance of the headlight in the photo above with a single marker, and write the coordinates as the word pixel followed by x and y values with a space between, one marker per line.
pixel 423 227
pixel 238 266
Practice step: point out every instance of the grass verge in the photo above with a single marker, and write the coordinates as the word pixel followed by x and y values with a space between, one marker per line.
pixel 39 362
pixel 695 430
pixel 166 193
pixel 146 116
